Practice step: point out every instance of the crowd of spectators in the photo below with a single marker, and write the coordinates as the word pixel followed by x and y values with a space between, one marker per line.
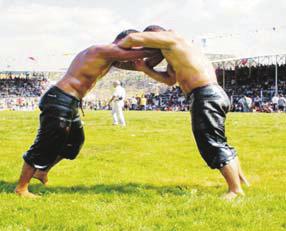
pixel 252 86
pixel 22 85
pixel 171 100
pixel 249 89
pixel 257 84
pixel 19 103
pixel 21 91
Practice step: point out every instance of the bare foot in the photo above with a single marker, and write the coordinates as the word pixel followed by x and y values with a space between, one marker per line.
pixel 41 176
pixel 26 194
pixel 244 181
pixel 229 196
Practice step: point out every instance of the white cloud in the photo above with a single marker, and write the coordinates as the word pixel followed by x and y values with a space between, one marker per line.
pixel 42 31
pixel 49 28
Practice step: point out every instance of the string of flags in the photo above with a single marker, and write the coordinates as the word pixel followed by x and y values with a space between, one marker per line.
pixel 32 58
pixel 204 39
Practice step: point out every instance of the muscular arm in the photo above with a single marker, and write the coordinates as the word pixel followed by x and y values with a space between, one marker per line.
pixel 161 40
pixel 161 76
pixel 113 52
pixel 127 65
pixel 130 65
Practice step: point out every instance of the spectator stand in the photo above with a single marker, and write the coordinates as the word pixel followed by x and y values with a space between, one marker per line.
pixel 251 66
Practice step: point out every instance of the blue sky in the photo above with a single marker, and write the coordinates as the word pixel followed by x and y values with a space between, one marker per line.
pixel 50 28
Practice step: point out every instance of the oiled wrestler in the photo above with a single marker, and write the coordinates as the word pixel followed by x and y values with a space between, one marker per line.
pixel 190 68
pixel 60 134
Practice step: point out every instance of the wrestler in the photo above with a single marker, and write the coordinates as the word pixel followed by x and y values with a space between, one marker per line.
pixel 191 69
pixel 60 134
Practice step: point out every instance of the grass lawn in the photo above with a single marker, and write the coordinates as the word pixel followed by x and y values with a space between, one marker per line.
pixel 147 176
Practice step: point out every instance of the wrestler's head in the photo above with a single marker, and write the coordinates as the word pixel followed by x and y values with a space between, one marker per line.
pixel 154 28
pixel 123 34
pixel 116 83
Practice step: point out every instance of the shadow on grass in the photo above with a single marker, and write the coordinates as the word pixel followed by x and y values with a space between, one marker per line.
pixel 124 188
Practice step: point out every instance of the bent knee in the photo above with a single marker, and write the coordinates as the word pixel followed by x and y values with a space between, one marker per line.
pixel 72 150
pixel 217 158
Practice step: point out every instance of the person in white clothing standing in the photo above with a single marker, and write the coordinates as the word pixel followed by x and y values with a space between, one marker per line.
pixel 117 101
pixel 274 100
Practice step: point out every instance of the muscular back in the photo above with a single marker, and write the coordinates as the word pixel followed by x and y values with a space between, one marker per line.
pixel 191 66
pixel 93 63
pixel 86 68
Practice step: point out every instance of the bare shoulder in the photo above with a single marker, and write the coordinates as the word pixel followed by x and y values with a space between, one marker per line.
pixel 99 50
pixel 95 49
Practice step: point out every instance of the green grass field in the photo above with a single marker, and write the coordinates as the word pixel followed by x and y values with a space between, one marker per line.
pixel 147 176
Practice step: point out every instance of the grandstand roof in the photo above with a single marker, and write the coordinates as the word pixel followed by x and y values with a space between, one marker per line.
pixel 250 61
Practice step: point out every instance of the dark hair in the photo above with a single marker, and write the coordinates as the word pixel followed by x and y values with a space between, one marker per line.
pixel 154 28
pixel 124 33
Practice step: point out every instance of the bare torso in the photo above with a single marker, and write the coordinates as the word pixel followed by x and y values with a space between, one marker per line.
pixel 191 66
pixel 85 70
